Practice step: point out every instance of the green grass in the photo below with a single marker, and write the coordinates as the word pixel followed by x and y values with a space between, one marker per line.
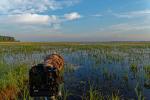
pixel 147 69
pixel 13 76
pixel 65 93
pixel 7 77
pixel 93 94
pixel 138 92
pixel 16 73
pixel 134 68
pixel 69 68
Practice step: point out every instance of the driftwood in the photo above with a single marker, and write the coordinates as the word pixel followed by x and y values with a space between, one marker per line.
pixel 54 60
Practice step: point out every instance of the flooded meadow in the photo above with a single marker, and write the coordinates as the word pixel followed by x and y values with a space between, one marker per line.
pixel 97 71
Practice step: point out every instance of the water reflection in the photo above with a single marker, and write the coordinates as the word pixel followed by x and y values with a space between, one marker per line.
pixel 108 70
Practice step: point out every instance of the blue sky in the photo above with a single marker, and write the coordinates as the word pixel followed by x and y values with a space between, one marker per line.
pixel 76 20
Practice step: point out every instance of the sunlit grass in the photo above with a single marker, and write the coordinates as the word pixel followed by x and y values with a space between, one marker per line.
pixel 138 92
pixel 15 74
pixel 133 68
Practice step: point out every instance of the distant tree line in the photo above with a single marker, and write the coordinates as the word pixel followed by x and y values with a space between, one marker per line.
pixel 7 39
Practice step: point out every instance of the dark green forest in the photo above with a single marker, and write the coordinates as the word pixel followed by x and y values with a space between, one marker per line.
pixel 7 39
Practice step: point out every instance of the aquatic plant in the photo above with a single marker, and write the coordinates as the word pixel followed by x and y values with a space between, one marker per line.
pixel 93 94
pixel 133 68
pixel 100 61
pixel 138 92
pixel 69 68
pixel 66 94
pixel 147 70
pixel 125 77
pixel 105 73
pixel 147 84
pixel 114 96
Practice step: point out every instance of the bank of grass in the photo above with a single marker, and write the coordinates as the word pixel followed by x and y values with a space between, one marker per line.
pixel 13 80
pixel 77 45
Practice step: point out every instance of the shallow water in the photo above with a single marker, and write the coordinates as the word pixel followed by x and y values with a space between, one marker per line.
pixel 107 70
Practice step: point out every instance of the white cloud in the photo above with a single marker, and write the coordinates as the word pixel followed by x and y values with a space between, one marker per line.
pixel 32 6
pixel 28 13
pixel 72 16
pixel 133 14
pixel 29 19
pixel 36 20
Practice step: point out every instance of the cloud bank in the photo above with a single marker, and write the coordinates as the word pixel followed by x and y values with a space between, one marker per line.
pixel 29 18
pixel 33 6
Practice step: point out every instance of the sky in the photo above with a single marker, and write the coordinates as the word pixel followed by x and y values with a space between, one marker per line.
pixel 75 20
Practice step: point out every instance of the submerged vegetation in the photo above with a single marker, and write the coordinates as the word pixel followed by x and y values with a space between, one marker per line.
pixel 93 71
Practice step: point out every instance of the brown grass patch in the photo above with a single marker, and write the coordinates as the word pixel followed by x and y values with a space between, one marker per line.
pixel 8 93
